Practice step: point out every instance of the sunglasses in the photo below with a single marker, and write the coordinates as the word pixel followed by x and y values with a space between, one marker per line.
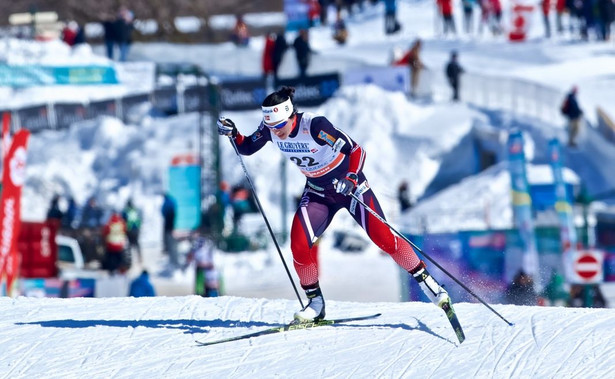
pixel 277 126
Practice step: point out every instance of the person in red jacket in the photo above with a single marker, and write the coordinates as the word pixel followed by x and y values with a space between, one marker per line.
pixel 332 163
pixel 114 235
pixel 446 10
pixel 546 9
pixel 268 55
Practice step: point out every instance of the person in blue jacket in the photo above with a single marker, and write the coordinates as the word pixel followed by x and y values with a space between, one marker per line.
pixel 141 286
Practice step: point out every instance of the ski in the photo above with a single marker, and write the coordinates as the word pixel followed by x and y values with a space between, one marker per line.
pixel 288 327
pixel 447 307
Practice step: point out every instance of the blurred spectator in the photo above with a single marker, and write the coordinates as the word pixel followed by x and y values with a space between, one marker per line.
pixel 446 11
pixel 340 33
pixel 241 203
pixel 391 25
pixel 123 31
pixel 268 54
pixel 132 217
pixel 605 12
pixel 555 292
pixel 54 214
pixel 521 290
pixel 496 17
pixel 169 210
pixel 109 37
pixel 279 49
pixel 114 235
pixel 141 286
pixel 240 35
pixel 72 34
pixel 403 196
pixel 546 9
pixel 303 52
pixel 70 214
pixel 416 66
pixel 453 71
pixel 91 215
pixel 324 11
pixel 202 254
pixel 560 8
pixel 468 21
pixel 570 108
pixel 313 12
pixel 586 296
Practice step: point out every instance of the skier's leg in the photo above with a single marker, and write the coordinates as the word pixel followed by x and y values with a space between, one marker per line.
pixel 310 221
pixel 400 250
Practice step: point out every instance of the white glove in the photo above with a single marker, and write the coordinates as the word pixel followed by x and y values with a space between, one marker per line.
pixel 346 185
pixel 226 127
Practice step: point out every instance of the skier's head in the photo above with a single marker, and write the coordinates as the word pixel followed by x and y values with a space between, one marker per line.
pixel 278 108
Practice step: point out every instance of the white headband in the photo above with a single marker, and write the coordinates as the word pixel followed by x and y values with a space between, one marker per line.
pixel 277 113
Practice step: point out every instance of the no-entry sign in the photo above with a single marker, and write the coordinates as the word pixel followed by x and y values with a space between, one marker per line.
pixel 587 266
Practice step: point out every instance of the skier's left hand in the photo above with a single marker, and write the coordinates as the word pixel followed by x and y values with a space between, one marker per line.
pixel 346 185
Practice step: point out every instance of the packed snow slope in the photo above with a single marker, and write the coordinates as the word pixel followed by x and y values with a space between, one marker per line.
pixel 155 338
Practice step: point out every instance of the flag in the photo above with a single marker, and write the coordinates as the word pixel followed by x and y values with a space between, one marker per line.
pixel 522 205
pixel 6 133
pixel 13 177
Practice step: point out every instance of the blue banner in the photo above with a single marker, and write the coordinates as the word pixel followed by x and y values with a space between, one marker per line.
pixel 28 76
pixel 562 204
pixel 184 186
pixel 522 206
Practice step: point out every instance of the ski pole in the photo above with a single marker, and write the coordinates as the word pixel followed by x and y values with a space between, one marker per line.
pixel 260 208
pixel 370 210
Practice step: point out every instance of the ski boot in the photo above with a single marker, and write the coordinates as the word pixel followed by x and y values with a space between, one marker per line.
pixel 430 287
pixel 314 310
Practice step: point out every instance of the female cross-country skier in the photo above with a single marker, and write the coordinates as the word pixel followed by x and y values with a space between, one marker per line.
pixel 324 153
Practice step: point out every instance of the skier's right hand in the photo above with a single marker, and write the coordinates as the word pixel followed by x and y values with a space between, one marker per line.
pixel 226 127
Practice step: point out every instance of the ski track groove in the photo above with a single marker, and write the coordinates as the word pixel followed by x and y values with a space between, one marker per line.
pixel 487 354
pixel 567 360
pixel 501 355
pixel 540 362
pixel 21 359
pixel 400 353
pixel 440 363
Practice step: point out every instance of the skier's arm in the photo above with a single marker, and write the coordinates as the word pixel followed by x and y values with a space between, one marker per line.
pixel 245 145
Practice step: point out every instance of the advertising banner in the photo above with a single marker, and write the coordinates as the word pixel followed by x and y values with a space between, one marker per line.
pixel 185 188
pixel 28 76
pixel 38 249
pixel 165 100
pixel 313 90
pixel 131 103
pixel 13 178
pixel 102 108
pixel 394 78
pixel 196 99
pixel 296 12
pixel 139 76
pixel 34 118
pixel 57 288
pixel 522 206
pixel 242 95
pixel 69 113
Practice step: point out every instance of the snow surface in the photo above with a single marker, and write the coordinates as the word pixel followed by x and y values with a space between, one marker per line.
pixel 404 140
pixel 154 338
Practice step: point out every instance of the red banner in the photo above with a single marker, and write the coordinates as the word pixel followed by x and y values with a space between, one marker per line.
pixel 6 130
pixel 13 178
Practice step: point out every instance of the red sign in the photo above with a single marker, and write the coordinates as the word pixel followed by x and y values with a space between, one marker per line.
pixel 13 177
pixel 588 266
